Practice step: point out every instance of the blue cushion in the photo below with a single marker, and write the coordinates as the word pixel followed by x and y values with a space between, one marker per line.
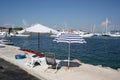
pixel 59 64
pixel 19 56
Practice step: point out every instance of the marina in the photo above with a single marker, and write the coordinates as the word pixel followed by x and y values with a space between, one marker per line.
pixel 42 41
pixel 59 40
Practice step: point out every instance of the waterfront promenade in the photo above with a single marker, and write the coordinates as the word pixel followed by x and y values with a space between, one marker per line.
pixel 77 71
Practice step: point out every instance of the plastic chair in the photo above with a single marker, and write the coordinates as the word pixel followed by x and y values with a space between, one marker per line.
pixel 51 61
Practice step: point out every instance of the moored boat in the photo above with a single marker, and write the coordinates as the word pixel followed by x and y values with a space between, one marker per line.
pixel 7 42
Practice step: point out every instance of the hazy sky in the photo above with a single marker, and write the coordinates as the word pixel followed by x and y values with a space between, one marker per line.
pixel 58 14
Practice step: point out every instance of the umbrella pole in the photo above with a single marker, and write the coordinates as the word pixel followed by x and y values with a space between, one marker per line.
pixel 69 56
pixel 38 40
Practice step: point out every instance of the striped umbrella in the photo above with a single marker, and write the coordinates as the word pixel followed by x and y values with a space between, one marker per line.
pixel 70 38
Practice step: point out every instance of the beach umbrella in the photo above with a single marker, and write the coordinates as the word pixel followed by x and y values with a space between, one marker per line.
pixel 40 29
pixel 69 38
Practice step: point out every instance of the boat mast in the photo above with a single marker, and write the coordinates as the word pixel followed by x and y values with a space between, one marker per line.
pixel 93 31
pixel 106 25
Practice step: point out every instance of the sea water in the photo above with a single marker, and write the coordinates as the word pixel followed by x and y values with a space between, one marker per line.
pixel 103 51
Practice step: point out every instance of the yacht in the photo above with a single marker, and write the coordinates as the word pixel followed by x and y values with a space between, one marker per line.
pixel 85 34
pixel 117 34
pixel 59 33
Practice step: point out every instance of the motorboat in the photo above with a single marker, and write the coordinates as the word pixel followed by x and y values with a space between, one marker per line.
pixel 85 34
pixel 58 34
pixel 22 35
pixel 7 42
pixel 2 34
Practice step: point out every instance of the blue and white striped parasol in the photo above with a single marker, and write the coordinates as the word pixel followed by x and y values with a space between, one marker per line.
pixel 70 38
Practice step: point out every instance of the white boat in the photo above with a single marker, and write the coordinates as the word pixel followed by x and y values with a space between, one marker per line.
pixel 117 34
pixel 105 24
pixel 59 33
pixel 3 34
pixel 22 35
pixel 106 34
pixel 85 34
pixel 7 42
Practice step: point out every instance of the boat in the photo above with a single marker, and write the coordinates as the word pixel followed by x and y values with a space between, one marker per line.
pixel 58 33
pixel 117 34
pixel 106 34
pixel 6 42
pixel 85 34
pixel 22 35
pixel 81 33
pixel 2 34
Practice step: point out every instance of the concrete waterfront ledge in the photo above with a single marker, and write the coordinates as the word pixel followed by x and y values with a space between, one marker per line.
pixel 8 52
pixel 76 72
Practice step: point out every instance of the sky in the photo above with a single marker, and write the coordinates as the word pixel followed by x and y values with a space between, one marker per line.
pixel 61 14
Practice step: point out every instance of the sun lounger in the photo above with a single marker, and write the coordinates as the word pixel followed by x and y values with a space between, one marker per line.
pixel 51 61
pixel 32 60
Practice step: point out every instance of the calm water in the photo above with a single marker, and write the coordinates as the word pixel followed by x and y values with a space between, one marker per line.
pixel 98 50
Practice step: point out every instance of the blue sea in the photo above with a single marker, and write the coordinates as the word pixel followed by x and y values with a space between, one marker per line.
pixel 103 51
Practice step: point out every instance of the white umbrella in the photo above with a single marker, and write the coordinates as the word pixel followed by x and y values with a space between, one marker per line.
pixel 38 28
pixel 70 38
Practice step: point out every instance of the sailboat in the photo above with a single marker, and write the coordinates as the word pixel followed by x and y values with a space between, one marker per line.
pixel 115 33
pixel 106 27
pixel 21 33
